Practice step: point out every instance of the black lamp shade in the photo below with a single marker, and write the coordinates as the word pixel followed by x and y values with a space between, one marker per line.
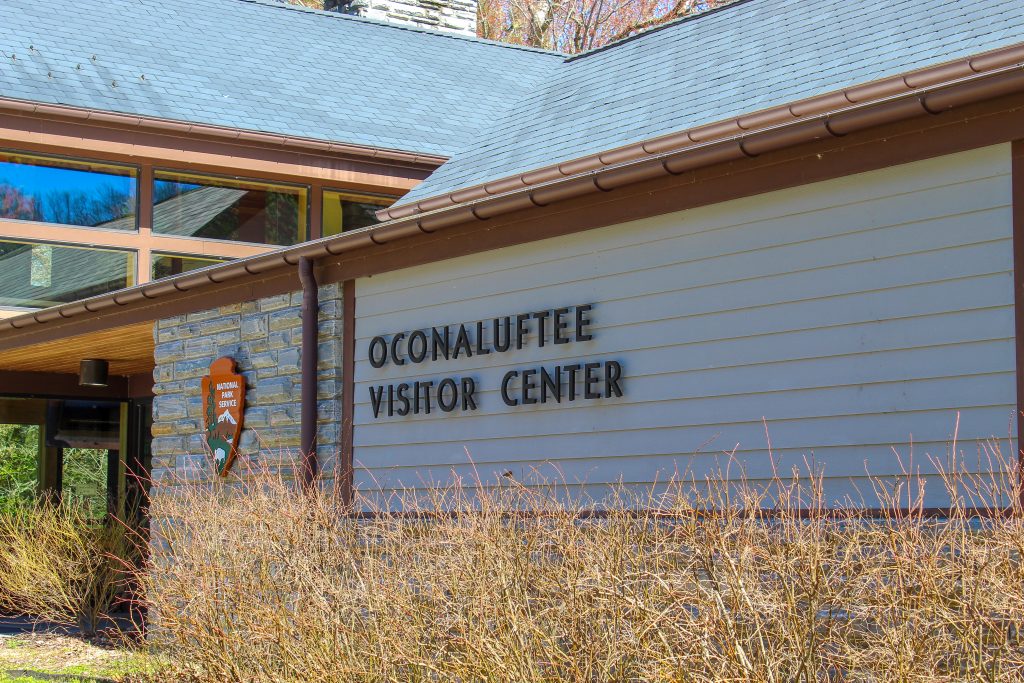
pixel 93 373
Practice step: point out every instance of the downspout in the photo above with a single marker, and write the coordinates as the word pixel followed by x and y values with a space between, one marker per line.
pixel 310 349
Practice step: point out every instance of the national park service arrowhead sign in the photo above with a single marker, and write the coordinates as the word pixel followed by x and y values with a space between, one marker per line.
pixel 224 402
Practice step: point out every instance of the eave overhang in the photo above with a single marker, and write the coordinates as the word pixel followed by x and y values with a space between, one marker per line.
pixel 219 133
pixel 828 107
pixel 992 75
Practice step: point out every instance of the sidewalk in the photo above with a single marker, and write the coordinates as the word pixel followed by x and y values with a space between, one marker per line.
pixel 14 626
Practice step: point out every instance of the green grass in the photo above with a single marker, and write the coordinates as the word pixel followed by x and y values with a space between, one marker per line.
pixel 32 658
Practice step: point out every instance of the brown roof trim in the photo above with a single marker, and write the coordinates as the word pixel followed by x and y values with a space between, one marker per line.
pixel 931 100
pixel 223 133
pixel 753 122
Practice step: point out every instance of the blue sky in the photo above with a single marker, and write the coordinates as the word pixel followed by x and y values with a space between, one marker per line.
pixel 42 179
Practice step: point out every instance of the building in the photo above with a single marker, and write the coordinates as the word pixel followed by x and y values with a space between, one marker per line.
pixel 799 216
pixel 143 140
pixel 446 15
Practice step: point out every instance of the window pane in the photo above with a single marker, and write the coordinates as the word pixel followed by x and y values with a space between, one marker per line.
pixel 40 275
pixel 226 209
pixel 19 466
pixel 344 211
pixel 166 265
pixel 84 480
pixel 92 194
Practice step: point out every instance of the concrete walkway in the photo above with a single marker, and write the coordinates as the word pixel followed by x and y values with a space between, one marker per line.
pixel 14 626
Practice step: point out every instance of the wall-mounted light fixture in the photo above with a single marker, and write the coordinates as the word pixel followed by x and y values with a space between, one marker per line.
pixel 93 372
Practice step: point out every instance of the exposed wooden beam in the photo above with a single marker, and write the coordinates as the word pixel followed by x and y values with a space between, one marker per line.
pixel 52 385
pixel 113 143
pixel 144 253
pixel 143 239
pixel 21 412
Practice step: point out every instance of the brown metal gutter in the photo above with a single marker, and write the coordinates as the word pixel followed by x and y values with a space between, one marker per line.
pixel 310 359
pixel 222 133
pixel 697 138
pixel 884 107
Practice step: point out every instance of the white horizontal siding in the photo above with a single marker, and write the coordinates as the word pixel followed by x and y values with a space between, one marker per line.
pixel 700 464
pixel 854 316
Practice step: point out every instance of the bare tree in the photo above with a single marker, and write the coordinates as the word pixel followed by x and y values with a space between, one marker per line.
pixel 578 25
pixel 569 25
pixel 14 203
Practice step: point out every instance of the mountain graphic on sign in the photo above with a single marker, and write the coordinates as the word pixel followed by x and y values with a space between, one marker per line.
pixel 226 417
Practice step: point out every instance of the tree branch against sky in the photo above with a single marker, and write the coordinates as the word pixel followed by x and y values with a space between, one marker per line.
pixel 578 25
pixel 571 25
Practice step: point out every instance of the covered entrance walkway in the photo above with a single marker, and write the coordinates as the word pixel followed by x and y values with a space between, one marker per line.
pixel 90 443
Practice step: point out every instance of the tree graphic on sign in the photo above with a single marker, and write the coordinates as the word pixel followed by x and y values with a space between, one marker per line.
pixel 215 436
pixel 224 396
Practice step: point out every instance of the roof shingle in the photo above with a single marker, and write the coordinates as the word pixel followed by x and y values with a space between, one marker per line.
pixel 749 56
pixel 262 66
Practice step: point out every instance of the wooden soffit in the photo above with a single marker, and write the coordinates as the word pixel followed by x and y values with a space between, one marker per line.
pixel 128 349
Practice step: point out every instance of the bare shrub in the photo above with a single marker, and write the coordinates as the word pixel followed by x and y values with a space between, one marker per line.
pixel 57 564
pixel 707 581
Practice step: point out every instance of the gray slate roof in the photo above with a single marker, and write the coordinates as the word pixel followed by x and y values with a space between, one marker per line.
pixel 498 110
pixel 264 66
pixel 748 56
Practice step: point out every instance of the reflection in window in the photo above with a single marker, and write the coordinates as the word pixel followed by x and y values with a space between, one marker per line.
pixel 84 480
pixel 42 265
pixel 41 275
pixel 19 466
pixel 229 209
pixel 344 211
pixel 166 265
pixel 89 435
pixel 93 194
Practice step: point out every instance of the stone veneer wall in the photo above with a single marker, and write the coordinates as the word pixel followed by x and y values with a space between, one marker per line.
pixel 264 337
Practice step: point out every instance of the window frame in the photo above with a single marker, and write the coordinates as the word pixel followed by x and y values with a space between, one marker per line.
pixel 82 160
pixel 213 260
pixel 157 170
pixel 131 268
pixel 354 195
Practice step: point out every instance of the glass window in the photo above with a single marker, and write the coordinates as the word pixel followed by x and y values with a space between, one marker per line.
pixel 344 211
pixel 229 209
pixel 19 466
pixel 40 275
pixel 90 437
pixel 92 194
pixel 166 265
pixel 84 480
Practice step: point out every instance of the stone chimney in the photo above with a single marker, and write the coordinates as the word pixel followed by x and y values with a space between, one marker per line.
pixel 457 16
